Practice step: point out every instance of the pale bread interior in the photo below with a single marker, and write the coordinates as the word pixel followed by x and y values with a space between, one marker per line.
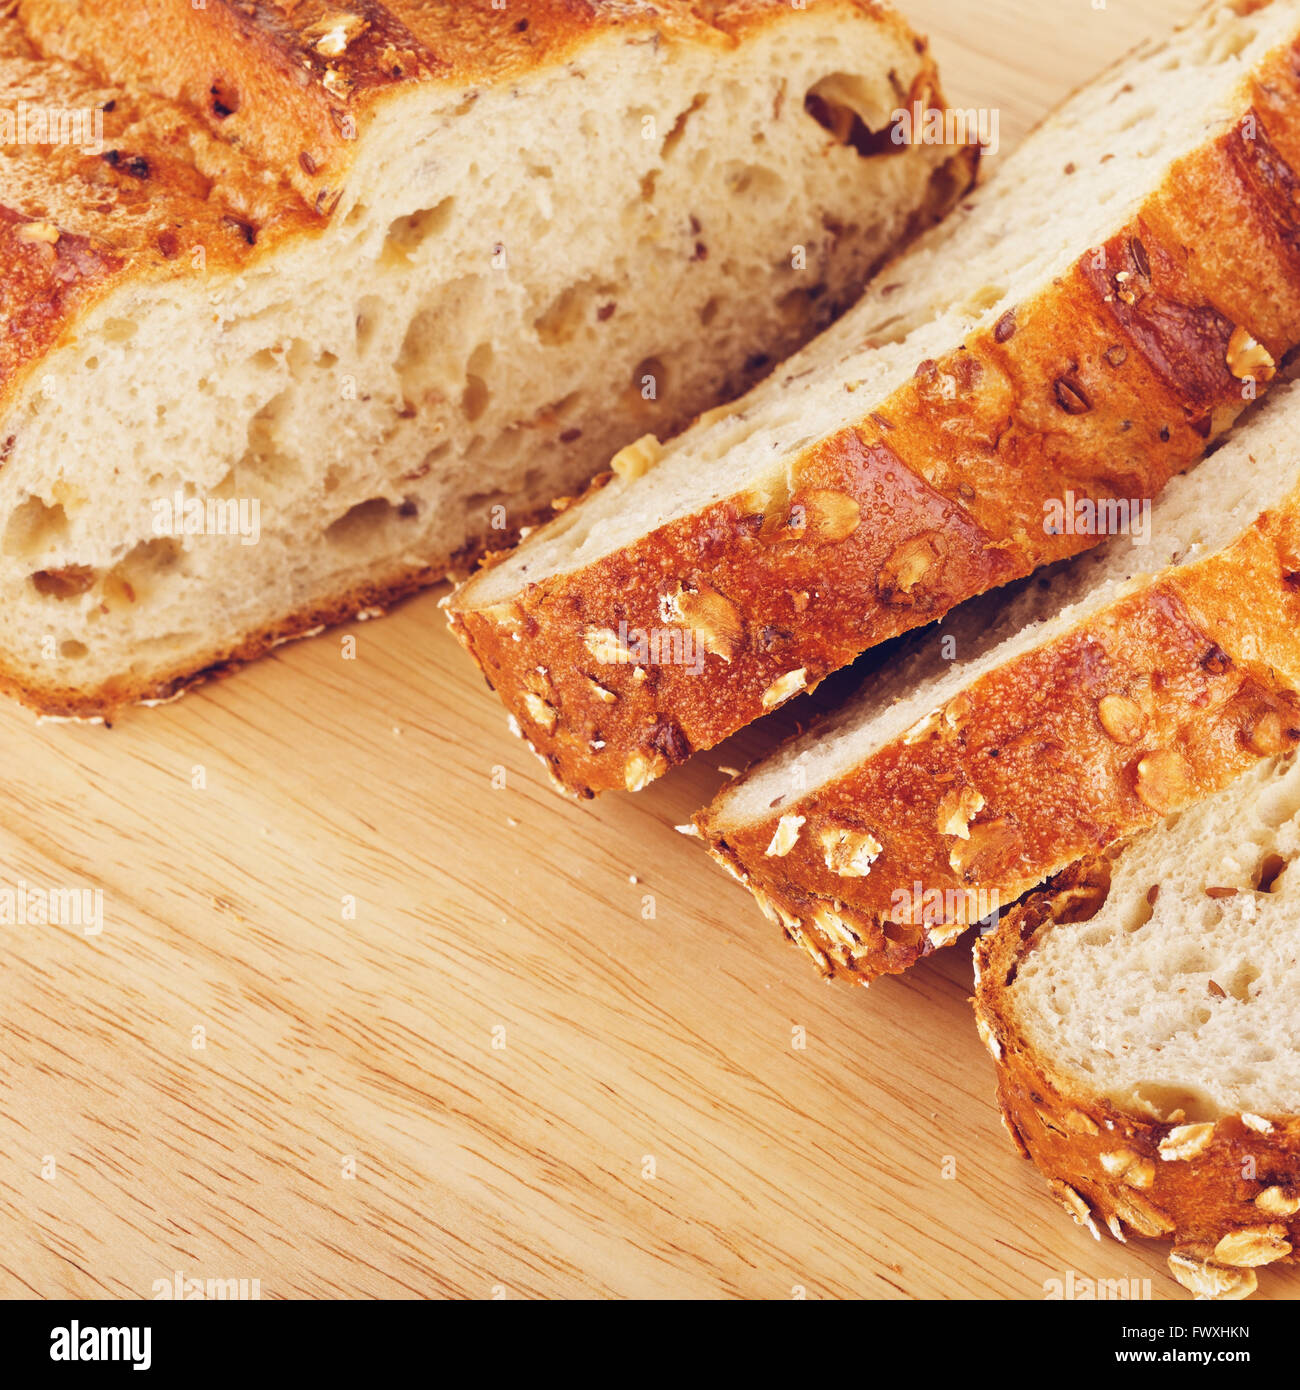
pixel 1185 1004
pixel 1117 136
pixel 471 338
pixel 1197 516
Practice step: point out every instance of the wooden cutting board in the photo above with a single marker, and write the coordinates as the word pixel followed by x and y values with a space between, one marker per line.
pixel 373 1012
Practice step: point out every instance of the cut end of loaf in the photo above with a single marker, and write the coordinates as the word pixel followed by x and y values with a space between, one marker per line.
pixel 462 341
pixel 1164 975
pixel 1140 1013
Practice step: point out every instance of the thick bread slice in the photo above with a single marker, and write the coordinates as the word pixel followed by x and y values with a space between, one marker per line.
pixel 1024 735
pixel 1088 322
pixel 376 284
pixel 1142 1016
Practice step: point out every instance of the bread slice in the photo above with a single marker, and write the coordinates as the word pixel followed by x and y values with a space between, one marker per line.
pixel 348 293
pixel 1141 1014
pixel 1096 315
pixel 1023 735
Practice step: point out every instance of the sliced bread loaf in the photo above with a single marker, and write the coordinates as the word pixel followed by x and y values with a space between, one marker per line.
pixel 1095 316
pixel 1141 1015
pixel 303 306
pixel 1023 735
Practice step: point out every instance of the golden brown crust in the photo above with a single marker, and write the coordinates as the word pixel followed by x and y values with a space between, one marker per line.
pixel 1106 383
pixel 74 224
pixel 1154 702
pixel 1188 1183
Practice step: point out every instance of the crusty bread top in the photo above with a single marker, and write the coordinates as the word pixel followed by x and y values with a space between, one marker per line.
pixel 74 223
pixel 284 80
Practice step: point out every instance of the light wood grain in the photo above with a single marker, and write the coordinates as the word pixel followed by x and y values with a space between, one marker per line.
pixel 630 1040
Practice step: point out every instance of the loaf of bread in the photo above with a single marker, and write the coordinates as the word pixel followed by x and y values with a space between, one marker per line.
pixel 1141 1015
pixel 1085 325
pixel 304 306
pixel 1023 735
